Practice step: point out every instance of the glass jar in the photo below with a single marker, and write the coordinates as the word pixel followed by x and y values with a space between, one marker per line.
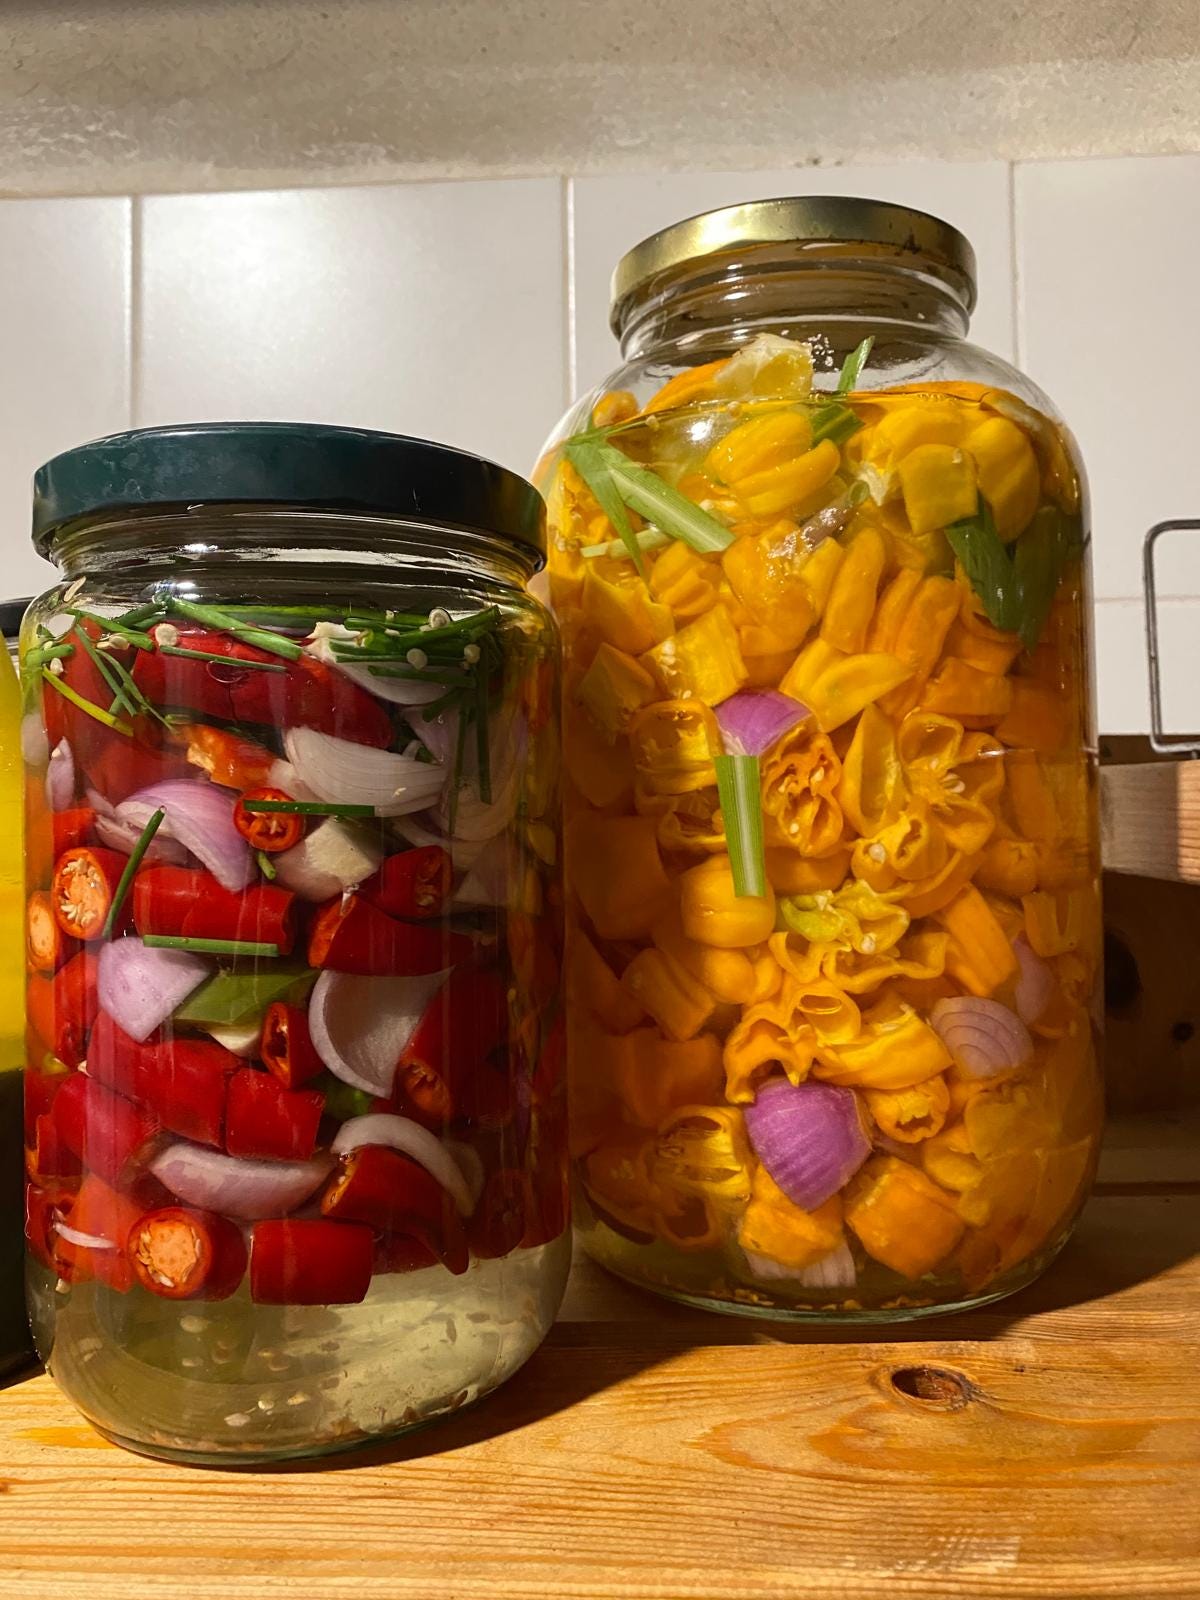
pixel 294 1111
pixel 833 937
pixel 15 1348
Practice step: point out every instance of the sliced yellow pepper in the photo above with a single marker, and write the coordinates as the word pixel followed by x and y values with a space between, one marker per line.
pixel 712 913
pixel 684 580
pixel 618 1179
pixel 791 873
pixel 938 483
pixel 623 614
pixel 895 1049
pixel 735 977
pixel 912 1114
pixel 758 446
pixel 601 772
pixel 1009 865
pixel 900 1217
pixel 673 743
pixel 593 986
pixel 910 424
pixel 979 954
pixel 918 633
pixel 1057 923
pixel 872 788
pixel 787 481
pixel 1036 718
pixel 1009 477
pixel 704 659
pixel 613 689
pixel 799 783
pixel 851 603
pixel 948 1159
pixel 769 576
pixel 618 874
pixel 820 572
pixel 784 1033
pixel 977 699
pixel 677 1001
pixel 703 1149
pixel 775 1229
pixel 690 823
pixel 652 1076
pixel 836 687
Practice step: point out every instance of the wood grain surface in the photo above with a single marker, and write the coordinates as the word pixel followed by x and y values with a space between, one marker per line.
pixel 1046 1447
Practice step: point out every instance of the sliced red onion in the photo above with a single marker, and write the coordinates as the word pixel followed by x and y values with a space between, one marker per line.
pixel 754 719
pixel 360 1026
pixel 834 1271
pixel 410 1139
pixel 60 777
pixel 35 746
pixel 332 858
pixel 85 1241
pixel 984 1037
pixel 397 691
pixel 236 1187
pixel 439 735
pixel 486 883
pixel 123 836
pixel 239 1038
pixel 345 773
pixel 1035 986
pixel 810 1138
pixel 283 775
pixel 140 987
pixel 199 814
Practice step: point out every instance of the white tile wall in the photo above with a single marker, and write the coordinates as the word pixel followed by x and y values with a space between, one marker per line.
pixel 442 309
pixel 611 214
pixel 64 351
pixel 434 309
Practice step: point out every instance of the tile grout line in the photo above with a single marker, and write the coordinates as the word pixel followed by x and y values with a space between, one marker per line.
pixel 570 351
pixel 135 310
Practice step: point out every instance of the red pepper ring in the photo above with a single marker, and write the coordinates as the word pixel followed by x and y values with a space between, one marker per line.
pixel 414 883
pixel 189 902
pixel 461 1027
pixel 102 1213
pixel 82 889
pixel 287 1049
pixel 351 935
pixel 60 1010
pixel 264 1119
pixel 394 1194
pixel 310 1263
pixel 270 831
pixel 184 1254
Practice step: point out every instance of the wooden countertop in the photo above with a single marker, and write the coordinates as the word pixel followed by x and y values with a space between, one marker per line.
pixel 652 1450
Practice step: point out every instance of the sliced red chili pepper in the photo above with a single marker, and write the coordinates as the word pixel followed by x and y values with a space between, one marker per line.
pixel 351 935
pixel 302 1263
pixel 60 1010
pixel 287 1049
pixel 462 1025
pixel 45 1207
pixel 120 766
pixel 82 889
pixel 184 1082
pixel 262 1118
pixel 498 1222
pixel 394 1194
pixel 49 1155
pixel 45 943
pixel 40 1090
pixel 232 762
pixel 103 1213
pixel 271 831
pixel 414 883
pixel 184 1254
pixel 104 1130
pixel 188 901
pixel 72 829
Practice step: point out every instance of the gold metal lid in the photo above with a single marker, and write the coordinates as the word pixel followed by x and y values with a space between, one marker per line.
pixel 827 225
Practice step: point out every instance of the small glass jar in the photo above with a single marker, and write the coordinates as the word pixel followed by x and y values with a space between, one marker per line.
pixel 821 568
pixel 294 1111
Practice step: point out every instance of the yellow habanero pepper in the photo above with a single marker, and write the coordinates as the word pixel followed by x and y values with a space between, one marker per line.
pixel 623 614
pixel 918 638
pixel 872 789
pixel 593 986
pixel 618 405
pixel 1058 922
pixel 900 1217
pixel 788 872
pixel 913 1114
pixel 690 823
pixel 1036 718
pixel 820 572
pixel 979 954
pixel 712 913
pixel 703 1149
pixel 977 699
pixel 799 784
pixel 735 977
pixel 673 743
pixel 938 483
pixel 785 1032
pixel 1034 808
pixel 684 580
pixel 652 1076
pixel 768 465
pixel 775 1230
pixel 1009 865
pixel 1009 478
pixel 618 874
pixel 973 639
pixel 894 1050
pixel 909 424
pixel 674 998
pixel 601 773
pixel 685 388
pixel 618 1180
pixel 704 659
pixel 836 686
pixel 613 689
pixel 851 601
pixel 769 576
pixel 891 610
pixel 948 1159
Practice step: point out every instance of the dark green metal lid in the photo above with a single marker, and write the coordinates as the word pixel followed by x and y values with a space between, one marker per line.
pixel 302 464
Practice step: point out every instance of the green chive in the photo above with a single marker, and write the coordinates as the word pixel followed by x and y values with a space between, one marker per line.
pixel 86 706
pixel 125 883
pixel 260 638
pixel 48 652
pixel 647 539
pixel 211 947
pixel 593 466
pixel 140 614
pixel 670 512
pixel 104 668
pixel 109 625
pixel 210 655
pixel 835 422
pixel 266 865
pixel 368 622
pixel 436 707
pixel 740 792
pixel 308 808
pixel 853 365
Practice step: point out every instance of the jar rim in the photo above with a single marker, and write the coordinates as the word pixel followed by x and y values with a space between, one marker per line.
pixel 846 227
pixel 308 466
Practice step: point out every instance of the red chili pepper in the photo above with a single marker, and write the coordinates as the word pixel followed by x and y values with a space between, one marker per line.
pixel 262 1118
pixel 82 889
pixel 498 1223
pixel 60 1010
pixel 232 762
pixel 351 935
pixel 104 1130
pixel 394 1194
pixel 184 1082
pixel 72 829
pixel 310 1263
pixel 100 1211
pixel 287 1049
pixel 49 1156
pixel 307 694
pixel 189 902
pixel 462 1025
pixel 45 1206
pixel 119 766
pixel 185 1254
pixel 45 944
pixel 414 883
pixel 271 831
pixel 40 1090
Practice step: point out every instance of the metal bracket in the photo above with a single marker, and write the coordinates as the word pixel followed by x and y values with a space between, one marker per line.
pixel 1163 743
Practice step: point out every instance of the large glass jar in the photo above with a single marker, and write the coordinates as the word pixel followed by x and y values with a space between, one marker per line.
pixel 833 932
pixel 295 1130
